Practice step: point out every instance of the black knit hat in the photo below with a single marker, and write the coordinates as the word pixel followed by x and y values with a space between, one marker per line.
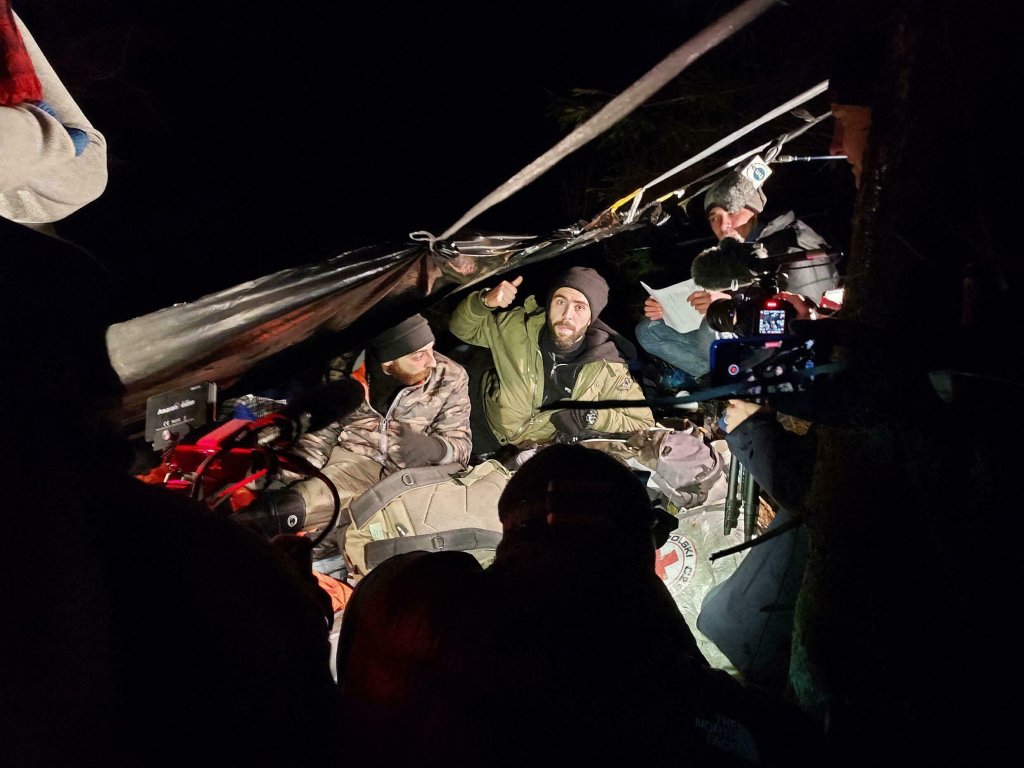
pixel 733 192
pixel 409 335
pixel 588 282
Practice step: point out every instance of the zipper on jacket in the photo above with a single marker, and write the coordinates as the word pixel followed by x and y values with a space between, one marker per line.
pixel 533 401
pixel 387 417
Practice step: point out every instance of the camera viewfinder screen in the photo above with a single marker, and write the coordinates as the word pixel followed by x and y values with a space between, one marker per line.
pixel 771 321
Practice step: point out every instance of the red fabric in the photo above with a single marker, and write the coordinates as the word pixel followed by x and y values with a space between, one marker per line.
pixel 18 81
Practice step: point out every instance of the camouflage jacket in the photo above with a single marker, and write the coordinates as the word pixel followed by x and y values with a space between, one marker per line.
pixel 440 407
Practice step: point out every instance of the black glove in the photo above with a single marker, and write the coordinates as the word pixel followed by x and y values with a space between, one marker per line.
pixel 274 512
pixel 418 449
pixel 574 421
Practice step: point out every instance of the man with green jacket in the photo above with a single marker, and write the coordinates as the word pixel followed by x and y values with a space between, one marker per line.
pixel 558 351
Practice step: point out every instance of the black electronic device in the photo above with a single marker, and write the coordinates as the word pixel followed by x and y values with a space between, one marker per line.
pixel 767 363
pixel 754 308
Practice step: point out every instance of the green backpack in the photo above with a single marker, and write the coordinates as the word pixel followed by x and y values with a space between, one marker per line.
pixel 429 509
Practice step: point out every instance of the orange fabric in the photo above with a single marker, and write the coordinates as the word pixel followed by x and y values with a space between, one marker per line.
pixel 359 374
pixel 339 591
pixel 242 498
pixel 155 476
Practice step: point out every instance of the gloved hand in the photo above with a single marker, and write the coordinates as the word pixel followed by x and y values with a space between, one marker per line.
pixel 274 512
pixel 418 449
pixel 574 421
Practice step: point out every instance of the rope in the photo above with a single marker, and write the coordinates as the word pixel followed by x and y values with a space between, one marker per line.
pixel 619 107
pixel 771 157
pixel 782 109
pixel 422 236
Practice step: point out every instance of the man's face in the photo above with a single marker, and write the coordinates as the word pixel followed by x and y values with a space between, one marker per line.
pixel 850 135
pixel 725 224
pixel 413 368
pixel 568 316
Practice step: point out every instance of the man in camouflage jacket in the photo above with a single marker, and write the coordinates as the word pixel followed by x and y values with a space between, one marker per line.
pixel 416 413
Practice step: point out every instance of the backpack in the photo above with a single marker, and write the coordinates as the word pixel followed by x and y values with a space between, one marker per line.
pixel 427 509
pixel 684 466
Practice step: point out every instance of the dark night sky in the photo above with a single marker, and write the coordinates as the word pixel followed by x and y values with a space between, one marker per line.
pixel 243 141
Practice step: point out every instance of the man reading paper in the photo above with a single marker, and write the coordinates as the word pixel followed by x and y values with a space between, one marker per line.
pixel 733 205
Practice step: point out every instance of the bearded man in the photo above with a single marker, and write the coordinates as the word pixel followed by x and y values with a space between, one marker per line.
pixel 541 354
pixel 415 413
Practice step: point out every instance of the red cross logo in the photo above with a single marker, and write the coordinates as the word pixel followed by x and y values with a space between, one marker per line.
pixel 662 562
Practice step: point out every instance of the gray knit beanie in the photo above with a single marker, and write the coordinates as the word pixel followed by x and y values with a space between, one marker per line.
pixel 733 192
pixel 409 335
pixel 588 282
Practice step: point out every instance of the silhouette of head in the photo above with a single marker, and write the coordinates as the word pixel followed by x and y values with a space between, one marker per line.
pixel 578 500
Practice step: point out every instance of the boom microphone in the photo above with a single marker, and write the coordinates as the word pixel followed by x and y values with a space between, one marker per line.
pixel 307 412
pixel 733 261
pixel 718 268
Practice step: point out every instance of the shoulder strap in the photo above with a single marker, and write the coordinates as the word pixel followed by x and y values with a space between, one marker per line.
pixel 460 539
pixel 391 487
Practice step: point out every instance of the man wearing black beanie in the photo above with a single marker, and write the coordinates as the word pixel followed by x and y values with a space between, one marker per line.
pixel 541 354
pixel 416 413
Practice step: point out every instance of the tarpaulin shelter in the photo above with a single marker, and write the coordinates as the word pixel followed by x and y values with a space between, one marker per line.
pixel 222 335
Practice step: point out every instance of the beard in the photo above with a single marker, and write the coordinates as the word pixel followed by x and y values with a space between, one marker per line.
pixel 563 340
pixel 407 377
pixel 410 379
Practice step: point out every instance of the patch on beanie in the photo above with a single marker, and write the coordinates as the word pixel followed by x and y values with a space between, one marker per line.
pixel 733 192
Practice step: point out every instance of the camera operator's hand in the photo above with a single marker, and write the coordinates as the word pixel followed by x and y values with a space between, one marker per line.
pixel 653 309
pixel 503 294
pixel 805 308
pixel 739 411
pixel 701 300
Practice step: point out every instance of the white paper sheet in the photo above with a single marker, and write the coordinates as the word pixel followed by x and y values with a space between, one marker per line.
pixel 679 313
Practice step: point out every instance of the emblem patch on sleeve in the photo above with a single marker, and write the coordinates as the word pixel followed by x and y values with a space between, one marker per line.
pixel 625 383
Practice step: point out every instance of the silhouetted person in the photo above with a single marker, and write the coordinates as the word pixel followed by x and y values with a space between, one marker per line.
pixel 749 615
pixel 899 618
pixel 141 628
pixel 597 662
pixel 413 663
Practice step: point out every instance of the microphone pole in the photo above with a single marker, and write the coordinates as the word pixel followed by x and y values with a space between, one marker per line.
pixel 806 158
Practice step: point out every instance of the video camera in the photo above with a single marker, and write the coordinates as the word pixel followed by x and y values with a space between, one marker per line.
pixel 754 309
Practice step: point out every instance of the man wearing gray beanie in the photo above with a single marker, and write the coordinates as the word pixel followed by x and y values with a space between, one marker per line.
pixel 542 354
pixel 732 205
pixel 415 413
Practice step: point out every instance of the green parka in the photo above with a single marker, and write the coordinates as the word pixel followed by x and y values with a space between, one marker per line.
pixel 512 392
